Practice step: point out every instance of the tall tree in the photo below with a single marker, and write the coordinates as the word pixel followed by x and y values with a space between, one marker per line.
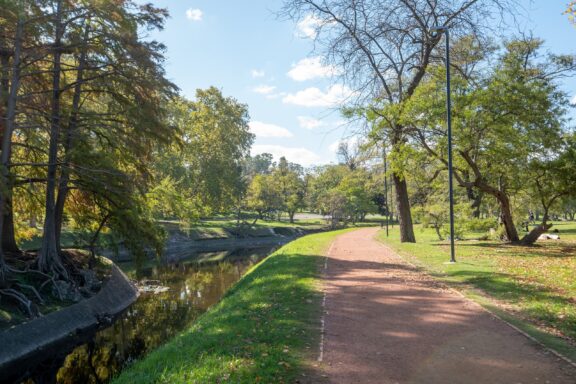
pixel 49 259
pixel 550 178
pixel 206 163
pixel 289 178
pixel 504 117
pixel 383 49
pixel 9 93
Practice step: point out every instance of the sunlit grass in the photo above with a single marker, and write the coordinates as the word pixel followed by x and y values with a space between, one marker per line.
pixel 261 331
pixel 534 285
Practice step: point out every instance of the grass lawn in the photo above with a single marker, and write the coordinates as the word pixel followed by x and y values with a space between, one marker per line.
pixel 533 288
pixel 261 332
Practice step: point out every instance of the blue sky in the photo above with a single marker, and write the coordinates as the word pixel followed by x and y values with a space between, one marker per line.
pixel 243 49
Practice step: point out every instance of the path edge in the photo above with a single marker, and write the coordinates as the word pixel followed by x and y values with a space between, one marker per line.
pixel 517 329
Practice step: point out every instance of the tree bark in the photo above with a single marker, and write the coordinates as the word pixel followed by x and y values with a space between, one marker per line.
pixel 476 199
pixel 6 217
pixel 9 243
pixel 535 233
pixel 403 210
pixel 437 228
pixel 68 145
pixel 506 215
pixel 498 193
pixel 49 259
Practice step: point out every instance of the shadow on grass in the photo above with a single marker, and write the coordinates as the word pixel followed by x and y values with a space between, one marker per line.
pixel 551 249
pixel 257 333
pixel 544 306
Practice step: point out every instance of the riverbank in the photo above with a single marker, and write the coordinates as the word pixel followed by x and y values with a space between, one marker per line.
pixel 532 288
pixel 262 331
pixel 29 348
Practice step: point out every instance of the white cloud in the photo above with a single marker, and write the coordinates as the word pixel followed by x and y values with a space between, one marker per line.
pixel 261 129
pixel 298 155
pixel 314 97
pixel 307 27
pixel 311 68
pixel 573 101
pixel 257 73
pixel 264 89
pixel 194 14
pixel 276 95
pixel 307 122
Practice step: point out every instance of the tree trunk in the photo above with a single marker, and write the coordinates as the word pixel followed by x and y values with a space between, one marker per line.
pixel 9 243
pixel 506 215
pixel 6 216
pixel 503 201
pixel 476 204
pixel 403 210
pixel 437 228
pixel 49 259
pixel 68 145
pixel 535 233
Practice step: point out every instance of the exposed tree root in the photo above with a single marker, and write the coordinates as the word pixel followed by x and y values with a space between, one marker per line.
pixel 20 298
pixel 33 290
pixel 26 284
pixel 49 279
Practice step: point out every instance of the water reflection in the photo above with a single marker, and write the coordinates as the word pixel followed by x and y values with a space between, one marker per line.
pixel 155 318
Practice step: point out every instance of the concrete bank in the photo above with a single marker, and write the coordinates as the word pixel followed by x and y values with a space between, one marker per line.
pixel 29 344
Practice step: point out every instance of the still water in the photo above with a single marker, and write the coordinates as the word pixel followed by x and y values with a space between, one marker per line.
pixel 155 318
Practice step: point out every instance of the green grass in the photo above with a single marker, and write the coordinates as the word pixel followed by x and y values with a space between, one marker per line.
pixel 533 288
pixel 261 332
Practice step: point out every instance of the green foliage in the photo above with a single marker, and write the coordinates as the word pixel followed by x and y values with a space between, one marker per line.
pixel 481 225
pixel 263 195
pixel 343 193
pixel 103 121
pixel 276 188
pixel 200 174
pixel 165 200
pixel 508 120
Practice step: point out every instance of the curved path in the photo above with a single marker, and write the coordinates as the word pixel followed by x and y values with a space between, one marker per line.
pixel 386 322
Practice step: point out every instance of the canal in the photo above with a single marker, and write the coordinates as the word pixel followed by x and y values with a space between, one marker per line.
pixel 175 295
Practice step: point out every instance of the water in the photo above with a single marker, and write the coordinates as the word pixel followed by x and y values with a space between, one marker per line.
pixel 155 318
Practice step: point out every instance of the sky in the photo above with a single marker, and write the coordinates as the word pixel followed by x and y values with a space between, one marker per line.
pixel 245 50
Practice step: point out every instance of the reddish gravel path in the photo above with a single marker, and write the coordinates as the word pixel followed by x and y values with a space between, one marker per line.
pixel 385 322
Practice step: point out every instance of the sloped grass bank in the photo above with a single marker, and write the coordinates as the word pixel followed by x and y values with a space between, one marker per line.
pixel 532 288
pixel 261 332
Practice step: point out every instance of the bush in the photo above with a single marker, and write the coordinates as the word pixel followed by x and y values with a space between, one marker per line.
pixel 481 225
pixel 458 231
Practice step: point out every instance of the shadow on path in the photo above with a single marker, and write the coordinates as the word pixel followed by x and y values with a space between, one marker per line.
pixel 387 322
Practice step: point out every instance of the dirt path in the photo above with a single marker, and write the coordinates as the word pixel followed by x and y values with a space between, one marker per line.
pixel 385 323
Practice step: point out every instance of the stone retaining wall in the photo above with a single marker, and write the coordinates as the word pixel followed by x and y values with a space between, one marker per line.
pixel 28 344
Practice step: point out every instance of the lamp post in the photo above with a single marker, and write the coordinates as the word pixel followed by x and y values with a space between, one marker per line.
pixel 386 190
pixel 445 30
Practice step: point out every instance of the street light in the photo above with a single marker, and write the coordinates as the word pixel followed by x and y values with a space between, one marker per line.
pixel 445 30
